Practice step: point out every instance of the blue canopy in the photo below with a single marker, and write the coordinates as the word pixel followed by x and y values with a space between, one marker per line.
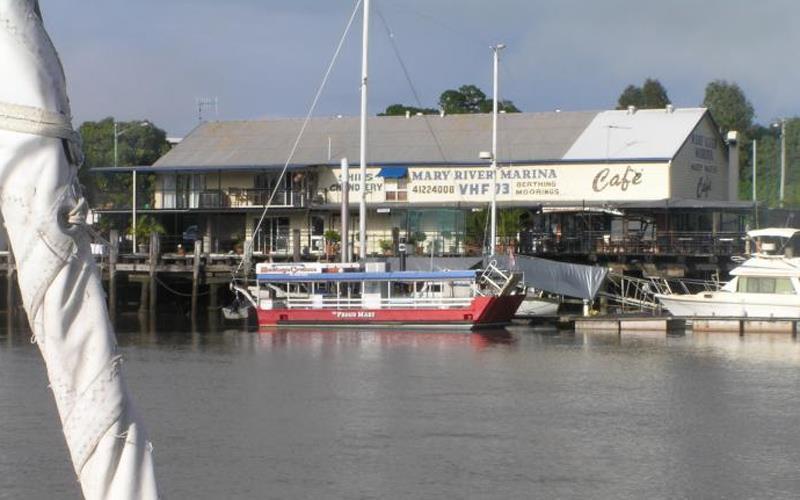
pixel 356 277
pixel 393 172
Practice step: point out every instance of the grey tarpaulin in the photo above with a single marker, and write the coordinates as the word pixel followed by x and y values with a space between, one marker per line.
pixel 572 280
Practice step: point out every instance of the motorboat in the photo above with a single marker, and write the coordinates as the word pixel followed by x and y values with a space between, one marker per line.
pixel 538 305
pixel 765 285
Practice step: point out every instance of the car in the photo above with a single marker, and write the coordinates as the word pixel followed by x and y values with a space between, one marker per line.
pixel 190 235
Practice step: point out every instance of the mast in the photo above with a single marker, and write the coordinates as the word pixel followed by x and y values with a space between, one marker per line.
pixel 362 206
pixel 345 173
pixel 493 241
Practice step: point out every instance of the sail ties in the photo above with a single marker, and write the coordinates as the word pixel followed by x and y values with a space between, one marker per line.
pixel 42 122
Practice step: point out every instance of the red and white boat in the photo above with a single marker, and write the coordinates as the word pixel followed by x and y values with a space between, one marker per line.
pixel 333 294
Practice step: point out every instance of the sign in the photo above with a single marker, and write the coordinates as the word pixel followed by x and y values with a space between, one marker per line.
pixel 521 183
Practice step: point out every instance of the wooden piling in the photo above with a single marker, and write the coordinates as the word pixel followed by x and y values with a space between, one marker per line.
pixel 213 289
pixel 113 257
pixel 144 294
pixel 198 252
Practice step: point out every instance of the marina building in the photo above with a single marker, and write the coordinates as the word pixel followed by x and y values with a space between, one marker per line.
pixel 632 182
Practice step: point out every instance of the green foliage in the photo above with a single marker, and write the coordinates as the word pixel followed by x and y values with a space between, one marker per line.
pixel 654 95
pixel 631 96
pixel 476 227
pixel 386 245
pixel 145 226
pixel 651 95
pixel 729 106
pixel 332 236
pixel 400 110
pixel 137 145
pixel 471 99
pixel 768 166
pixel 466 99
pixel 509 223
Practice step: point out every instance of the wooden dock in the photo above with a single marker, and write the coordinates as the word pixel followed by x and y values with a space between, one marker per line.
pixel 669 325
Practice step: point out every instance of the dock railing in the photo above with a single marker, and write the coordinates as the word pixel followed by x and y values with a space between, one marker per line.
pixel 658 243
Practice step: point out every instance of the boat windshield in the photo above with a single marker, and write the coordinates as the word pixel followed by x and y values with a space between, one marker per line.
pixel 759 284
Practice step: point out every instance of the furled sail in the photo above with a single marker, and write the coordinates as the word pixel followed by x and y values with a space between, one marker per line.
pixel 62 294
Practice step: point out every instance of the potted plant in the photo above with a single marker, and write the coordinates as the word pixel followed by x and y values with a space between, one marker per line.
pixel 386 247
pixel 145 226
pixel 332 239
pixel 419 238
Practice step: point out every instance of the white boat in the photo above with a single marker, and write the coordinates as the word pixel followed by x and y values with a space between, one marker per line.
pixel 767 285
pixel 536 304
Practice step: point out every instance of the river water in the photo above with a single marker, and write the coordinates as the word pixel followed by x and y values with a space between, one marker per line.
pixel 516 413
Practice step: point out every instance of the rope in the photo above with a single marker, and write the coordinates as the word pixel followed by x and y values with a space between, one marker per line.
pixel 173 291
pixel 396 49
pixel 307 119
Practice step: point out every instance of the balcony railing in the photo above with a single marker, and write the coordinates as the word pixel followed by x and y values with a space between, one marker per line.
pixel 662 243
pixel 225 198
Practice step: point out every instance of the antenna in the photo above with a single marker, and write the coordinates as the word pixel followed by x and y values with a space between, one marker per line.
pixel 207 102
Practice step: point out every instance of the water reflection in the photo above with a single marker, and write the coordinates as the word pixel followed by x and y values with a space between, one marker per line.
pixel 513 413
pixel 379 339
pixel 755 347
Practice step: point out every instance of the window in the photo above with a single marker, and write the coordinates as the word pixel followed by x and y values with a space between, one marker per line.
pixel 396 189
pixel 765 285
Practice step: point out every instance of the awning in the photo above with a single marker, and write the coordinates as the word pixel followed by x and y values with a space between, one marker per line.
pixel 393 172
pixel 368 276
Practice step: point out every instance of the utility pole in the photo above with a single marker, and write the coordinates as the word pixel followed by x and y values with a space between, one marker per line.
pixel 755 162
pixel 783 161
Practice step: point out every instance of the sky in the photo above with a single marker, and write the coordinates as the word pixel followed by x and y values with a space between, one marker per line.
pixel 152 59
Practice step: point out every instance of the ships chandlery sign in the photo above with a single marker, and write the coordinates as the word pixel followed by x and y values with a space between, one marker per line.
pixel 44 215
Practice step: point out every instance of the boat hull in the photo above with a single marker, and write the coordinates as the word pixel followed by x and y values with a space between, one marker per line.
pixel 732 305
pixel 537 307
pixel 482 312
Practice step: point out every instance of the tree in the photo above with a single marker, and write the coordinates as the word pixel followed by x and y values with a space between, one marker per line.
pixel 651 95
pixel 471 99
pixel 466 99
pixel 631 96
pixel 654 95
pixel 138 143
pixel 401 109
pixel 729 106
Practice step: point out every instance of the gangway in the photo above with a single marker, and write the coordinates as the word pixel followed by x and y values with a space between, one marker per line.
pixel 631 293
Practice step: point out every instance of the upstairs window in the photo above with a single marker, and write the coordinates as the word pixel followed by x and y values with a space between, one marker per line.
pixel 396 189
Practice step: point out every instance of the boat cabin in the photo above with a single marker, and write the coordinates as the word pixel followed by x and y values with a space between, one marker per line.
pixel 351 286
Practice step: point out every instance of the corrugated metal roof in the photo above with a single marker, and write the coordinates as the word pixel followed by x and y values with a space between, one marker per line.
pixel 645 133
pixel 391 140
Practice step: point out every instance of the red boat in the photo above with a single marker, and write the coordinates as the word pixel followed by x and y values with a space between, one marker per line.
pixel 347 295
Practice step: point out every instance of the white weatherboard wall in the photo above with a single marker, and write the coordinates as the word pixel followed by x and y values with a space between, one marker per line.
pixel 700 169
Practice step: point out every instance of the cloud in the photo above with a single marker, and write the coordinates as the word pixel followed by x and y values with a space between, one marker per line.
pixel 152 59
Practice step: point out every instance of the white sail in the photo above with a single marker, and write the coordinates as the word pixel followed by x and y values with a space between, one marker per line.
pixel 42 209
